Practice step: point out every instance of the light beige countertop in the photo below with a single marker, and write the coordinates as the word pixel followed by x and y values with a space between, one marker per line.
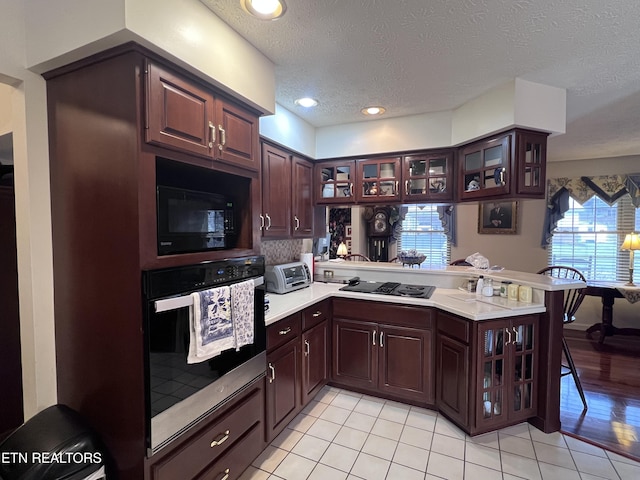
pixel 451 300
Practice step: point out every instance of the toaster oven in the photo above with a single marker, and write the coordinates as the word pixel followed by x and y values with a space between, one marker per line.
pixel 287 277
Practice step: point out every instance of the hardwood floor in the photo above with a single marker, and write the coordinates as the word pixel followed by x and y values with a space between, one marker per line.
pixel 610 377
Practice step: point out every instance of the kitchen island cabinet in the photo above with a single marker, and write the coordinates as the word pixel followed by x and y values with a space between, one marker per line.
pixel 386 350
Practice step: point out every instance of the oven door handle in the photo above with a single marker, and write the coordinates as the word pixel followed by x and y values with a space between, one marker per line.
pixel 174 303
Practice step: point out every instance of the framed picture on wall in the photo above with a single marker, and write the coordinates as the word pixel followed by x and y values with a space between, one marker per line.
pixel 498 217
pixel 347 231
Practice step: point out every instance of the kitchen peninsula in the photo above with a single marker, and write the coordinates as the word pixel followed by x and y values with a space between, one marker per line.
pixel 484 363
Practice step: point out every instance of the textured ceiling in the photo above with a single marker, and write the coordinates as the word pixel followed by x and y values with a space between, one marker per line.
pixel 417 56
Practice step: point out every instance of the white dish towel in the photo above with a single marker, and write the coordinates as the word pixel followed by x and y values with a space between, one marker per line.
pixel 211 324
pixel 242 303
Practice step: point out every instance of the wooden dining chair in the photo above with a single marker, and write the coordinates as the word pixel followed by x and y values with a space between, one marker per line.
pixel 572 300
pixel 356 257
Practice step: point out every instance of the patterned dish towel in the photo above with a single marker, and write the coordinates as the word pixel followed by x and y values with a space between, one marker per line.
pixel 211 325
pixel 242 303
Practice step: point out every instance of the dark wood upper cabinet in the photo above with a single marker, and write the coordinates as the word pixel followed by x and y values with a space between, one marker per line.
pixel 180 113
pixel 334 181
pixel 276 192
pixel 378 180
pixel 287 194
pixel 508 165
pixel 428 177
pixel 238 135
pixel 302 197
pixel 184 115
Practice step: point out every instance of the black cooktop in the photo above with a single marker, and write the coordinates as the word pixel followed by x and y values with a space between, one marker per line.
pixel 391 288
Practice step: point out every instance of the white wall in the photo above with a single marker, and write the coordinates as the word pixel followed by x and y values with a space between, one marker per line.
pixel 33 216
pixel 184 31
pixel 288 129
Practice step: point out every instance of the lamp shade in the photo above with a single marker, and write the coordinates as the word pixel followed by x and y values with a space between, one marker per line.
pixel 342 250
pixel 631 242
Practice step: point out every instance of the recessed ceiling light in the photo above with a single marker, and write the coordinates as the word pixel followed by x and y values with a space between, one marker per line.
pixel 306 102
pixel 264 9
pixel 373 110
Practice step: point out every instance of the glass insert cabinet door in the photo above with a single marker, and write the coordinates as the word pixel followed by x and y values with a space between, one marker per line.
pixel 379 179
pixel 532 154
pixel 486 168
pixel 428 177
pixel 506 371
pixel 336 181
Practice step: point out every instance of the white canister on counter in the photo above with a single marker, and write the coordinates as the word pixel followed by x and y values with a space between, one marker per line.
pixel 525 293
pixel 479 285
pixel 512 291
pixel 487 288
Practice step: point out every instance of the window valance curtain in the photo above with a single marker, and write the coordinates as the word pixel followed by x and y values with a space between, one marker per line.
pixel 447 216
pixel 609 188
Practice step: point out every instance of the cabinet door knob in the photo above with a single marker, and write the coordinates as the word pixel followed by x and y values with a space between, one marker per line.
pixel 285 331
pixel 220 441
pixel 212 134
pixel 307 348
pixel 273 373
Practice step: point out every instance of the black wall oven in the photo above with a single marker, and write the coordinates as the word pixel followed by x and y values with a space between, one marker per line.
pixel 179 393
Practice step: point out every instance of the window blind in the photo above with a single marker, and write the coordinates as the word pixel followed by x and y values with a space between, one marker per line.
pixel 422 231
pixel 589 238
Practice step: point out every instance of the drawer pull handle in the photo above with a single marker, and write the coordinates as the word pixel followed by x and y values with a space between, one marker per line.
pixel 223 137
pixel 381 339
pixel 224 438
pixel 261 222
pixel 295 218
pixel 285 331
pixel 273 373
pixel 317 314
pixel 406 187
pixel 508 342
pixel 374 338
pixel 266 215
pixel 307 348
pixel 226 474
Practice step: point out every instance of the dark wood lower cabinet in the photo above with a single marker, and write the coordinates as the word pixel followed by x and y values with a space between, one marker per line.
pixel 393 358
pixel 229 439
pixel 283 387
pixel 315 371
pixel 452 378
pixel 487 371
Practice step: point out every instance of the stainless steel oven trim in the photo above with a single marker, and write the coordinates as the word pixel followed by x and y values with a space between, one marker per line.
pixel 173 303
pixel 172 422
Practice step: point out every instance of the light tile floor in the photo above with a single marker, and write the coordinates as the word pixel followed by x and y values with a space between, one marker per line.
pixel 343 435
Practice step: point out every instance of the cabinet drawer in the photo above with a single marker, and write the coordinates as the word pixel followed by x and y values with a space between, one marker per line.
pixel 387 313
pixel 315 314
pixel 282 331
pixel 211 442
pixel 237 458
pixel 454 327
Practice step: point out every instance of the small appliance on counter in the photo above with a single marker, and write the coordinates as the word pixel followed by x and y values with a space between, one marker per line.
pixel 287 277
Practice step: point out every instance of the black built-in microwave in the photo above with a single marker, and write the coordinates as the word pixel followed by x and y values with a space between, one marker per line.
pixel 193 221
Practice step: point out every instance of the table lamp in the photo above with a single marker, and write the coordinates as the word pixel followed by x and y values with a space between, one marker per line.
pixel 342 250
pixel 631 243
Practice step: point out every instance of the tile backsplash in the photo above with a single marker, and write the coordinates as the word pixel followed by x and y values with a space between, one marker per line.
pixel 284 251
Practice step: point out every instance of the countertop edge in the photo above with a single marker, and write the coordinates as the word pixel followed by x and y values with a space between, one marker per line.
pixel 284 305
